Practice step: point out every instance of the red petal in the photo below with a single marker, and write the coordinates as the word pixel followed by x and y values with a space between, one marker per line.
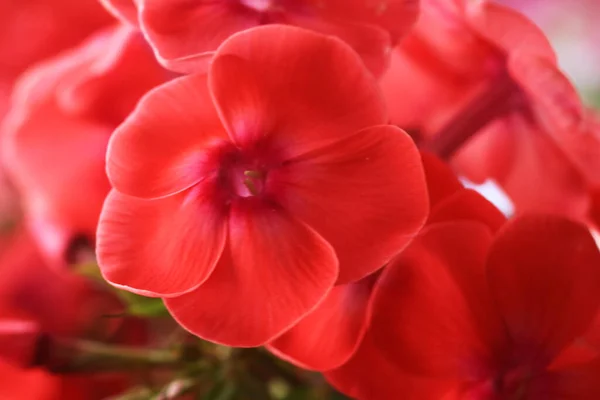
pixel 327 337
pixel 468 205
pixel 274 271
pixel 441 180
pixel 368 375
pixel 124 10
pixel 161 148
pixel 241 101
pixel 394 16
pixel 162 247
pixel 18 383
pixel 555 99
pixel 318 88
pixel 544 273
pixel 508 29
pixel 18 340
pixel 179 30
pixel 576 383
pixel 371 43
pixel 366 195
pixel 432 311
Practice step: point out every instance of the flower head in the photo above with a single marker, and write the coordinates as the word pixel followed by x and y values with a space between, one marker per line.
pixel 242 196
pixel 494 317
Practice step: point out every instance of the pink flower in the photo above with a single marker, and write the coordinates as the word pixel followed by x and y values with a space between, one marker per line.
pixel 184 33
pixel 242 196
pixel 56 133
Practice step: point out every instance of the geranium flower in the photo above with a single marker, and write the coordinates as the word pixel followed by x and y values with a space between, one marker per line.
pixel 486 92
pixel 494 318
pixel 242 196
pixel 184 33
pixel 56 133
pixel 333 335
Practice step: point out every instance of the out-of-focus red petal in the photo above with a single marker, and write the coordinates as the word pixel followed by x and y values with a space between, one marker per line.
pixel 372 44
pixel 366 195
pixel 544 273
pixel 274 270
pixel 124 10
pixel 579 382
pixel 18 383
pixel 327 337
pixel 441 180
pixel 180 30
pixel 44 149
pixel 164 247
pixel 319 90
pixel 121 69
pixel 529 166
pixel 467 204
pixel 582 146
pixel 394 16
pixel 18 340
pixel 509 30
pixel 594 212
pixel 33 31
pixel 369 375
pixel 554 99
pixel 432 311
pixel 161 148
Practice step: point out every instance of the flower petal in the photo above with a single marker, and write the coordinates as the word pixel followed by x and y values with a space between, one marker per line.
pixel 394 16
pixel 545 273
pixel 366 195
pixel 327 337
pixel 467 205
pixel 124 10
pixel 245 110
pixel 432 310
pixel 274 271
pixel 508 29
pixel 318 89
pixel 369 375
pixel 162 247
pixel 442 182
pixel 371 43
pixel 180 30
pixel 161 148
pixel 18 339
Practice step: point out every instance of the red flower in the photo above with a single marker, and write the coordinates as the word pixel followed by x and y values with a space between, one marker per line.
pixel 243 195
pixel 494 318
pixel 184 33
pixel 329 337
pixel 57 130
pixel 485 88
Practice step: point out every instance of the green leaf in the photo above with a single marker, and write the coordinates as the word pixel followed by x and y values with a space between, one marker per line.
pixel 140 306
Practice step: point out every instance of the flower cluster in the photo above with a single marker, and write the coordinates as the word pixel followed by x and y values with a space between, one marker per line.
pixel 183 179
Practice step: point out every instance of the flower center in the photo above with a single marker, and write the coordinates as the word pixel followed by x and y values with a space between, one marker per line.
pixel 254 182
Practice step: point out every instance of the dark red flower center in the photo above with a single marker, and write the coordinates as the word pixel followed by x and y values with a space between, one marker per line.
pixel 243 174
